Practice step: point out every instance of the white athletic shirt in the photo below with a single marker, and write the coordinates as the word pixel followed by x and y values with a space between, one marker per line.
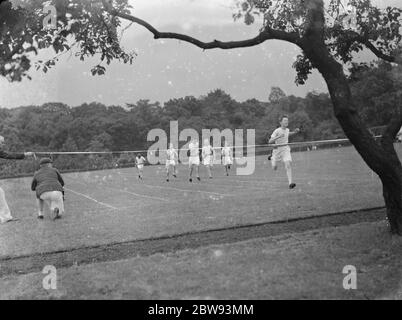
pixel 226 152
pixel 194 152
pixel 207 151
pixel 279 131
pixel 140 161
pixel 171 154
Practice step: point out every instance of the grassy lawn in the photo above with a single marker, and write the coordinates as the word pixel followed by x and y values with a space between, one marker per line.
pixel 291 266
pixel 113 205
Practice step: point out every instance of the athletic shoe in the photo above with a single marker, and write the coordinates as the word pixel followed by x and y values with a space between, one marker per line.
pixel 191 180
pixel 198 178
pixel 270 157
pixel 292 185
pixel 174 176
pixel 210 177
pixel 167 180
pixel 40 217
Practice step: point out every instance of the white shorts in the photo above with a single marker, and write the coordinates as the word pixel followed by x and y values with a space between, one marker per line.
pixel 140 166
pixel 227 161
pixel 170 163
pixel 5 214
pixel 281 154
pixel 54 199
pixel 208 161
pixel 194 161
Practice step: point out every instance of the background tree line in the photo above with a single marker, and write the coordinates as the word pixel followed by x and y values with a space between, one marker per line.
pixel 96 127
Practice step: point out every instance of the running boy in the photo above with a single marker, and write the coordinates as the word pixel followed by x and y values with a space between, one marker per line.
pixel 171 156
pixel 282 153
pixel 194 159
pixel 227 157
pixel 208 157
pixel 140 161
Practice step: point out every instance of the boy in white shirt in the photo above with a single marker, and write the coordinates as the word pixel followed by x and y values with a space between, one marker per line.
pixel 194 159
pixel 227 157
pixel 282 153
pixel 208 156
pixel 140 161
pixel 171 156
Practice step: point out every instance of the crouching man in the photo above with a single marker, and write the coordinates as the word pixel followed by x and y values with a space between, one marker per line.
pixel 48 184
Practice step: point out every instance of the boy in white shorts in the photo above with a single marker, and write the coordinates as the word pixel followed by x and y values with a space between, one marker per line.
pixel 140 161
pixel 171 156
pixel 194 159
pixel 282 153
pixel 208 156
pixel 227 158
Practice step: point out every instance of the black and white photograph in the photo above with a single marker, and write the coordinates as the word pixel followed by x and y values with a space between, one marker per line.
pixel 213 151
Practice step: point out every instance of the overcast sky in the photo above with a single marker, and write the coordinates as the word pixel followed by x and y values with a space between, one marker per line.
pixel 166 69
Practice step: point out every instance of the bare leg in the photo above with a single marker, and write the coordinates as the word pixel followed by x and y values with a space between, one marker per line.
pixel 209 171
pixel 40 203
pixel 191 171
pixel 274 165
pixel 289 171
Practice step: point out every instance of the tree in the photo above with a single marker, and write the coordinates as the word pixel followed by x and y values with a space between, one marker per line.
pixel 276 95
pixel 376 91
pixel 101 142
pixel 328 36
pixel 69 145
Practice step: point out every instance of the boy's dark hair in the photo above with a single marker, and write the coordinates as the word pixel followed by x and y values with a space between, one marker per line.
pixel 283 116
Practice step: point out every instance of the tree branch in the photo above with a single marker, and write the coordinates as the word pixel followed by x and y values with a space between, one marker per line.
pixel 267 34
pixel 364 40
pixel 377 52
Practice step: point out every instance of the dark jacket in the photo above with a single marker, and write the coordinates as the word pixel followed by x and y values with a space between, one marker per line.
pixel 6 155
pixel 47 179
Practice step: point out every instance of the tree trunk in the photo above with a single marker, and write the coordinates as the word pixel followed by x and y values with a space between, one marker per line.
pixel 382 159
pixel 393 202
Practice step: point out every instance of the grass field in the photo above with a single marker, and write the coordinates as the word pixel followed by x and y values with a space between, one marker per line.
pixel 115 206
pixel 305 265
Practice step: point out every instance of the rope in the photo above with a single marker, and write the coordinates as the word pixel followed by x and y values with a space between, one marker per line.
pixel 271 146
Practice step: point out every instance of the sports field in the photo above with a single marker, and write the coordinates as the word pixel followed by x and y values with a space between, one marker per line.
pixel 114 206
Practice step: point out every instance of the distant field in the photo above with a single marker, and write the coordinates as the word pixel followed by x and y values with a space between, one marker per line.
pixel 111 206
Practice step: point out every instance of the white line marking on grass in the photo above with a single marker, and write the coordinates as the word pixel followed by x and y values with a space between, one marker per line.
pixel 234 186
pixel 138 195
pixel 184 190
pixel 125 191
pixel 88 197
pixel 187 190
